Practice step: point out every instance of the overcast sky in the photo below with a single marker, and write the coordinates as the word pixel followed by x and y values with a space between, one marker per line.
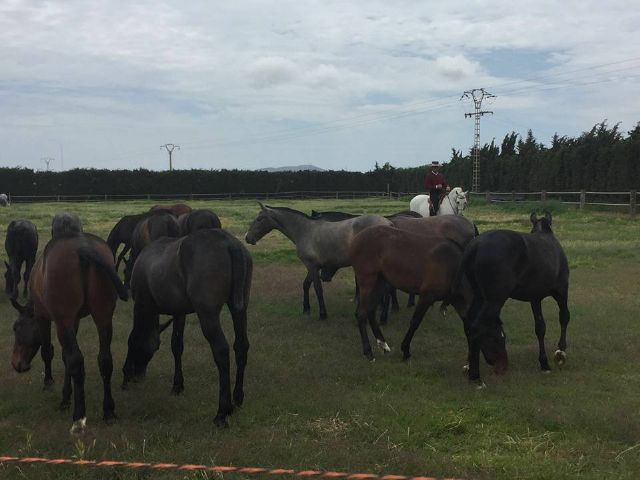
pixel 337 84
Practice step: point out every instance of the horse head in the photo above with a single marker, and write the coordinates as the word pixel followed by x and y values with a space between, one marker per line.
pixel 8 277
pixel 27 337
pixel 542 224
pixel 493 345
pixel 459 199
pixel 262 225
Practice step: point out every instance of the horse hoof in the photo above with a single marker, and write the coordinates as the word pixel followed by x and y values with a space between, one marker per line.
pixel 306 311
pixel 220 422
pixel 384 346
pixel 238 399
pixel 546 371
pixel 323 316
pixel 177 389
pixel 465 368
pixel 48 385
pixel 109 417
pixel 481 385
pixel 560 357
pixel 406 356
pixel 79 426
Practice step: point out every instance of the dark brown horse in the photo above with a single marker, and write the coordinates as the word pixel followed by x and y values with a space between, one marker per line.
pixel 176 208
pixel 503 264
pixel 198 220
pixel 21 245
pixel 147 230
pixel 423 265
pixel 198 273
pixel 73 278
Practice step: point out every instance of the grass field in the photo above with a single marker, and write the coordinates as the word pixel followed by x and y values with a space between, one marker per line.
pixel 312 401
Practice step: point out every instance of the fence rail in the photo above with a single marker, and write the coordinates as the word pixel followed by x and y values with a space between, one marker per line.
pixel 580 198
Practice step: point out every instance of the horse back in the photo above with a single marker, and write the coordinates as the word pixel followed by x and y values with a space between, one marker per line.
pixel 21 242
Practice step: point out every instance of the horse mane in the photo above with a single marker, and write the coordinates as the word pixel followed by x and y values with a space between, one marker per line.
pixel 290 210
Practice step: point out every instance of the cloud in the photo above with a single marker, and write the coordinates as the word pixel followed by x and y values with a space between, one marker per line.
pixel 271 71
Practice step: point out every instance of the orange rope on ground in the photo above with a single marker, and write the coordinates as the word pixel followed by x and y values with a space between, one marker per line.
pixel 205 468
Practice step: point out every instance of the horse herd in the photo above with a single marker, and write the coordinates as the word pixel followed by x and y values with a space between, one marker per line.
pixel 182 261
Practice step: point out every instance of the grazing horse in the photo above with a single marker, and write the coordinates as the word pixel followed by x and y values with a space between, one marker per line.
pixel 21 245
pixel 198 273
pixel 151 228
pixel 73 278
pixel 453 203
pixel 64 224
pixel 198 220
pixel 320 245
pixel 176 209
pixel 337 216
pixel 425 265
pixel 4 200
pixel 503 264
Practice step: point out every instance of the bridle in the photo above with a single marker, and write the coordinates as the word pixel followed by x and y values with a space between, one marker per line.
pixel 455 207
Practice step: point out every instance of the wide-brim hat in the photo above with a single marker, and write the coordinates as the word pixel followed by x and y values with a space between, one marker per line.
pixel 435 164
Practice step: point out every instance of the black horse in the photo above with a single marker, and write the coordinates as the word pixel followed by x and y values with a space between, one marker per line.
pixel 198 220
pixel 21 245
pixel 197 273
pixel 151 228
pixel 503 264
pixel 65 224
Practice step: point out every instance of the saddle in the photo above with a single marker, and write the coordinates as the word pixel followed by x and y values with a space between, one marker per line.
pixel 432 211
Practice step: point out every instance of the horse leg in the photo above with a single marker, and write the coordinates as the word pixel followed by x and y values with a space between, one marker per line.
pixel 536 308
pixel 211 329
pixel 424 302
pixel 306 307
pixel 241 348
pixel 412 300
pixel 375 328
pixel 25 276
pixel 394 300
pixel 317 286
pixel 46 352
pixel 129 368
pixel 384 308
pixel 15 277
pixel 66 383
pixel 561 298
pixel 177 347
pixel 121 256
pixel 75 368
pixel 105 364
pixel 365 300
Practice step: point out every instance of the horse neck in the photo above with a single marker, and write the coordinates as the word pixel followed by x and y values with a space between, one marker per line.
pixel 292 225
pixel 448 206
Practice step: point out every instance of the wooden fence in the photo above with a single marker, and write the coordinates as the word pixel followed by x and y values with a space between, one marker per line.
pixel 580 198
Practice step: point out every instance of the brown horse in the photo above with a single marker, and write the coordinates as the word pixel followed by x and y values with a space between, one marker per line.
pixel 198 220
pixel 73 278
pixel 423 265
pixel 176 209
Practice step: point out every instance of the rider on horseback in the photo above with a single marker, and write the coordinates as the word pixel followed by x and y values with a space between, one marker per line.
pixel 434 183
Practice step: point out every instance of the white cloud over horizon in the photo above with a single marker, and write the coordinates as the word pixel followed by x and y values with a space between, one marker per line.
pixel 340 84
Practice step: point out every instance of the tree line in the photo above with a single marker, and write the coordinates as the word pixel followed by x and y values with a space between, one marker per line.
pixel 602 158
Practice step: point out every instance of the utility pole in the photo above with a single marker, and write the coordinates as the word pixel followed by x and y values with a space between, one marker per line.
pixel 170 147
pixel 477 95
pixel 47 161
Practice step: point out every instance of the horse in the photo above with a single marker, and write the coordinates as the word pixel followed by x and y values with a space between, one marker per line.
pixel 331 216
pixel 198 220
pixel 452 203
pixel 425 265
pixel 74 277
pixel 21 245
pixel 162 224
pixel 64 224
pixel 176 209
pixel 321 246
pixel 503 264
pixel 4 200
pixel 197 273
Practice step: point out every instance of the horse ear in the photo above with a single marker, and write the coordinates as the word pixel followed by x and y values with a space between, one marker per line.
pixel 261 205
pixel 547 215
pixel 533 218
pixel 17 306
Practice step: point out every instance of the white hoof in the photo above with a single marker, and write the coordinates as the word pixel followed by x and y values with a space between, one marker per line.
pixel 384 346
pixel 546 372
pixel 465 367
pixel 481 386
pixel 560 357
pixel 79 426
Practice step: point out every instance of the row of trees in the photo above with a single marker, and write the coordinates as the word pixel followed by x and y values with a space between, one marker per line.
pixel 600 159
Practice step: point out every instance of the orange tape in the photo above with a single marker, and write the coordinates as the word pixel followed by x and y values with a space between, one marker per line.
pixel 216 469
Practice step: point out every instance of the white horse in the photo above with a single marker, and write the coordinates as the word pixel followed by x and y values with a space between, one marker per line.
pixel 453 203
pixel 4 200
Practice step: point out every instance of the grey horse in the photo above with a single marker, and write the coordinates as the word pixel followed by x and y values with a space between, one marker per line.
pixel 64 224
pixel 4 200
pixel 323 246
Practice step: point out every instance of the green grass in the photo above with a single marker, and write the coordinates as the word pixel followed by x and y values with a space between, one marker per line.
pixel 313 401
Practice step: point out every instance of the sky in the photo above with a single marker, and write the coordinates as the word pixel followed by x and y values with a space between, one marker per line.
pixel 336 84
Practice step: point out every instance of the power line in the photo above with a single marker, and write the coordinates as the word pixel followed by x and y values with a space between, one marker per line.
pixel 47 161
pixel 170 147
pixel 477 95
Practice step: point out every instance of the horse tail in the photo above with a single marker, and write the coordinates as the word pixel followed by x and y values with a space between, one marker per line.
pixel 241 269
pixel 89 256
pixel 113 240
pixel 475 230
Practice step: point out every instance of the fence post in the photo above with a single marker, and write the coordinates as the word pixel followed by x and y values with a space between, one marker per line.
pixel 488 197
pixel 513 195
pixel 148 196
pixel 632 203
pixel 583 198
pixel 543 196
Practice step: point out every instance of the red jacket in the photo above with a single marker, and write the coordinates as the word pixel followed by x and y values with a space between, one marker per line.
pixel 432 179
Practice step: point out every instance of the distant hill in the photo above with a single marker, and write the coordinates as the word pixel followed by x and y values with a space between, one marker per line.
pixel 294 168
